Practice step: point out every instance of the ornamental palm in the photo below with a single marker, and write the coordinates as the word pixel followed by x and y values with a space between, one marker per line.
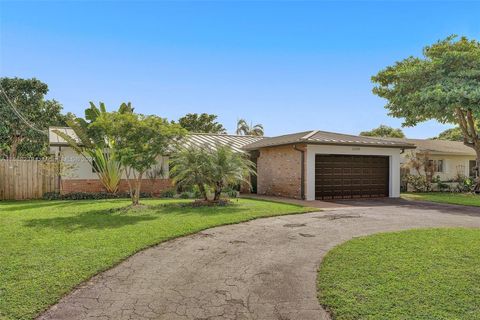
pixel 216 167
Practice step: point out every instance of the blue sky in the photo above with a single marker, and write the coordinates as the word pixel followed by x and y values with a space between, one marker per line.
pixel 291 66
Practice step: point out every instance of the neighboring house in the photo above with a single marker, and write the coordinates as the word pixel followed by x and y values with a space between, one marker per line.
pixel 309 165
pixel 451 159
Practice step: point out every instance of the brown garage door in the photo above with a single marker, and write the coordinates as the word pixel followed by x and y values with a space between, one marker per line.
pixel 349 176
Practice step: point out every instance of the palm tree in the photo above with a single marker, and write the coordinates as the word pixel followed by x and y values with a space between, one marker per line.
pixel 216 168
pixel 190 167
pixel 243 128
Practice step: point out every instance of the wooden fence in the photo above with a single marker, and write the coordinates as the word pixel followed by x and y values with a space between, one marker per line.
pixel 28 179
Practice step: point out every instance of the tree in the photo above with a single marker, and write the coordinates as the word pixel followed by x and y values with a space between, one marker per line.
pixel 453 134
pixel 443 85
pixel 207 167
pixel 203 123
pixel 96 146
pixel 25 116
pixel 384 131
pixel 243 128
pixel 139 141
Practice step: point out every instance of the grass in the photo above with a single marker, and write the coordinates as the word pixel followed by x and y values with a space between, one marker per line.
pixel 49 247
pixel 415 274
pixel 466 199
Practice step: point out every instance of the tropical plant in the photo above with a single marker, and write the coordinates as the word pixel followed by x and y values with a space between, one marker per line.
pixel 243 128
pixel 138 142
pixel 212 168
pixel 191 166
pixel 102 158
pixel 95 146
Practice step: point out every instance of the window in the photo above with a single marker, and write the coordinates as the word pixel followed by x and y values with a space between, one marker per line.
pixel 437 165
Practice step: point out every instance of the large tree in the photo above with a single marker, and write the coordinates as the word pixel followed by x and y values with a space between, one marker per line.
pixel 201 123
pixel 25 116
pixel 384 131
pixel 138 142
pixel 443 85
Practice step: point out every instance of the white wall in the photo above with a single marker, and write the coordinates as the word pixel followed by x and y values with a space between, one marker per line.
pixel 392 153
pixel 78 168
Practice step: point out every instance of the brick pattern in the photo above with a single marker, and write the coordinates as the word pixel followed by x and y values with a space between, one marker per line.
pixel 279 171
pixel 94 185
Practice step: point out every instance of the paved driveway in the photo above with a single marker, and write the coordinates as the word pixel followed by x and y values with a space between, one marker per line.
pixel 264 269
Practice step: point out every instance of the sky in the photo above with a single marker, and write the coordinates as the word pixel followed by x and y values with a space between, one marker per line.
pixel 289 65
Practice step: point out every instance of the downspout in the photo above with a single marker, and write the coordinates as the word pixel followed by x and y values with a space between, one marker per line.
pixel 302 171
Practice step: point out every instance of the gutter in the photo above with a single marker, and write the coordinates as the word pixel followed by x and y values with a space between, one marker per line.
pixel 302 172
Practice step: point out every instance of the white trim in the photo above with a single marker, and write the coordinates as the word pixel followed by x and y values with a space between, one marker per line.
pixel 392 153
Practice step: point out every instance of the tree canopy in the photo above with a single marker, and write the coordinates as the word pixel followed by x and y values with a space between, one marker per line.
pixel 453 134
pixel 26 137
pixel 443 85
pixel 384 132
pixel 201 123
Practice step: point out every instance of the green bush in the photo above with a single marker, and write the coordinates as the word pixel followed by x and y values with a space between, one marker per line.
pixel 169 193
pixel 185 195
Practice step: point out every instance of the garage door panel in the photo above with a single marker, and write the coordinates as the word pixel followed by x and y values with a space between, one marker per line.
pixel 351 176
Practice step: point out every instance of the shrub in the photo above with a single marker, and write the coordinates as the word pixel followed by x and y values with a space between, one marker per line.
pixel 169 193
pixel 419 183
pixel 185 195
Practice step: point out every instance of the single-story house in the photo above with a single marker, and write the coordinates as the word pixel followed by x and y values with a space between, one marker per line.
pixel 450 159
pixel 310 165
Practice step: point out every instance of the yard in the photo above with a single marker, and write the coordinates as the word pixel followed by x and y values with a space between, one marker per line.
pixel 416 274
pixel 49 247
pixel 466 199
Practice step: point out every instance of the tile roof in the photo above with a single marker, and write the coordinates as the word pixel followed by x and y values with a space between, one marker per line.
pixel 211 140
pixel 326 138
pixel 438 146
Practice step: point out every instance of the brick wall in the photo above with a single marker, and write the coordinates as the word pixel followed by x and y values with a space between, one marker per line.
pixel 94 185
pixel 279 171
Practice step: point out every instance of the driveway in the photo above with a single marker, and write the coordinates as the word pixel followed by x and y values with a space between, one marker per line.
pixel 263 269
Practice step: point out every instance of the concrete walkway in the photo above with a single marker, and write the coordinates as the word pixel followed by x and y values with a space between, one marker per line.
pixel 263 269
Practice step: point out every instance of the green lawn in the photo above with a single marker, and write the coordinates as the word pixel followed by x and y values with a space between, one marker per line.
pixel 416 274
pixel 48 247
pixel 467 199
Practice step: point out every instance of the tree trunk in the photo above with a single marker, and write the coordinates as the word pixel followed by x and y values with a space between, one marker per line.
pixel 476 188
pixel 138 185
pixel 218 192
pixel 201 187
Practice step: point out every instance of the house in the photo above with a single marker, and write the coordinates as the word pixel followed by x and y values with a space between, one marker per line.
pixel 450 159
pixel 324 165
pixel 306 165
pixel 80 176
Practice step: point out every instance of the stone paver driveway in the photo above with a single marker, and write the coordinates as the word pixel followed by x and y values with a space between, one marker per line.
pixel 264 269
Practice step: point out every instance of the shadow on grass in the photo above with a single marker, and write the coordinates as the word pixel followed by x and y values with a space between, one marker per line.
pixel 101 219
pixel 38 204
